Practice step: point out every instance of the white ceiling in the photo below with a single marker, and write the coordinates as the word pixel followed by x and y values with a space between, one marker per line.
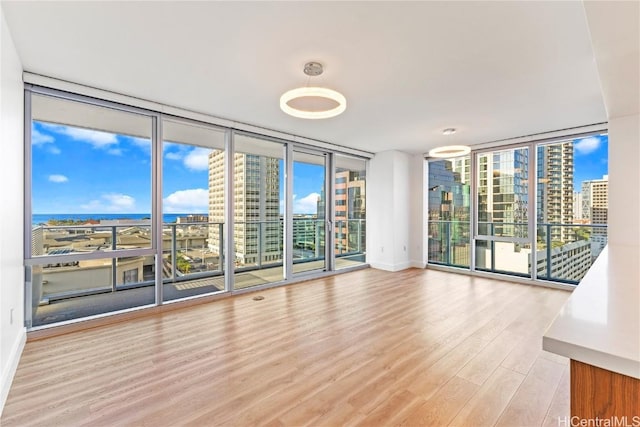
pixel 493 70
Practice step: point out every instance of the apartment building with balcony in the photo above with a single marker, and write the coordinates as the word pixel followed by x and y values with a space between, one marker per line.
pixel 555 187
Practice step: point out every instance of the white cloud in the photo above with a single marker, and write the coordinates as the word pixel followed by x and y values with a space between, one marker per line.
pixel 96 138
pixel 587 145
pixel 143 143
pixel 115 151
pixel 39 138
pixel 197 159
pixel 193 158
pixel 187 201
pixel 111 202
pixel 58 178
pixel 120 200
pixel 306 205
pixel 173 156
pixel 174 151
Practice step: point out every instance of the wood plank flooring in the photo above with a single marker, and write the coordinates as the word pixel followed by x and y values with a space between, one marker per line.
pixel 366 348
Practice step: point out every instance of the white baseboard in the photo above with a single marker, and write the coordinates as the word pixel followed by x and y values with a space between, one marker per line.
pixel 9 370
pixel 391 267
pixel 418 264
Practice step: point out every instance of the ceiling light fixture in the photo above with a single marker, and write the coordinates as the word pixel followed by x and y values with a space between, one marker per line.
pixel 313 102
pixel 449 131
pixel 450 151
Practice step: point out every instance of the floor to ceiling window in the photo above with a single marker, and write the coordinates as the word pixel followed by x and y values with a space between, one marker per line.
pixel 350 211
pixel 258 230
pixel 448 213
pixel 309 211
pixel 571 206
pixel 129 208
pixel 502 238
pixel 193 183
pixel 90 210
pixel 535 204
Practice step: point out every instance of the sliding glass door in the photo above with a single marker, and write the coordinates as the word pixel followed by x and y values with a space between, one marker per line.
pixel 503 239
pixel 193 205
pixel 349 210
pixel 310 217
pixel 258 203
pixel 448 214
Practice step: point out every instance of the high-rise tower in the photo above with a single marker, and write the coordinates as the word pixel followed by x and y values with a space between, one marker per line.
pixel 595 200
pixel 503 198
pixel 555 189
pixel 257 228
pixel 595 207
pixel 349 207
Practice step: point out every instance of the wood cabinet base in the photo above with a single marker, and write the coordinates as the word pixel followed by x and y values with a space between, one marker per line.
pixel 597 393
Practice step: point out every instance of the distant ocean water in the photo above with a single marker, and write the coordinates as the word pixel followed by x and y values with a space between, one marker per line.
pixel 37 219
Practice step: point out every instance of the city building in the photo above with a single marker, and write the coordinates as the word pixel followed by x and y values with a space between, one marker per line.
pixel 462 166
pixel 191 219
pixel 350 211
pixel 393 340
pixel 216 200
pixel 306 233
pixel 550 264
pixel 577 206
pixel 503 199
pixel 448 191
pixel 257 229
pixel 555 189
pixel 595 200
pixel 449 211
pixel 595 208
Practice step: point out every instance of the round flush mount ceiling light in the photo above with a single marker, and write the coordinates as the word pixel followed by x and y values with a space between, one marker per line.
pixel 313 102
pixel 450 151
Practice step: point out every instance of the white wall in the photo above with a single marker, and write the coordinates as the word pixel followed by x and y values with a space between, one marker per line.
pixel 12 330
pixel 418 211
pixel 624 180
pixel 615 39
pixel 389 198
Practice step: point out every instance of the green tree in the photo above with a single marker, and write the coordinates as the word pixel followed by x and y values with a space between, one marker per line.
pixel 182 264
pixel 583 233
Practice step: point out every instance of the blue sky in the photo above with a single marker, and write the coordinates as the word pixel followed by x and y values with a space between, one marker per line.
pixel 84 171
pixel 590 159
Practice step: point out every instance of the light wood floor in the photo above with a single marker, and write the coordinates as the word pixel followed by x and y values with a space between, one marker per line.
pixel 418 347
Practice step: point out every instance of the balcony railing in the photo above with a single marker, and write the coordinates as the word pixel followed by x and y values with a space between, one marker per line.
pixel 449 243
pixel 563 252
pixel 78 260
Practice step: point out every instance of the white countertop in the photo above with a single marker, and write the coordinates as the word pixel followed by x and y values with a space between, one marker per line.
pixel 600 322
